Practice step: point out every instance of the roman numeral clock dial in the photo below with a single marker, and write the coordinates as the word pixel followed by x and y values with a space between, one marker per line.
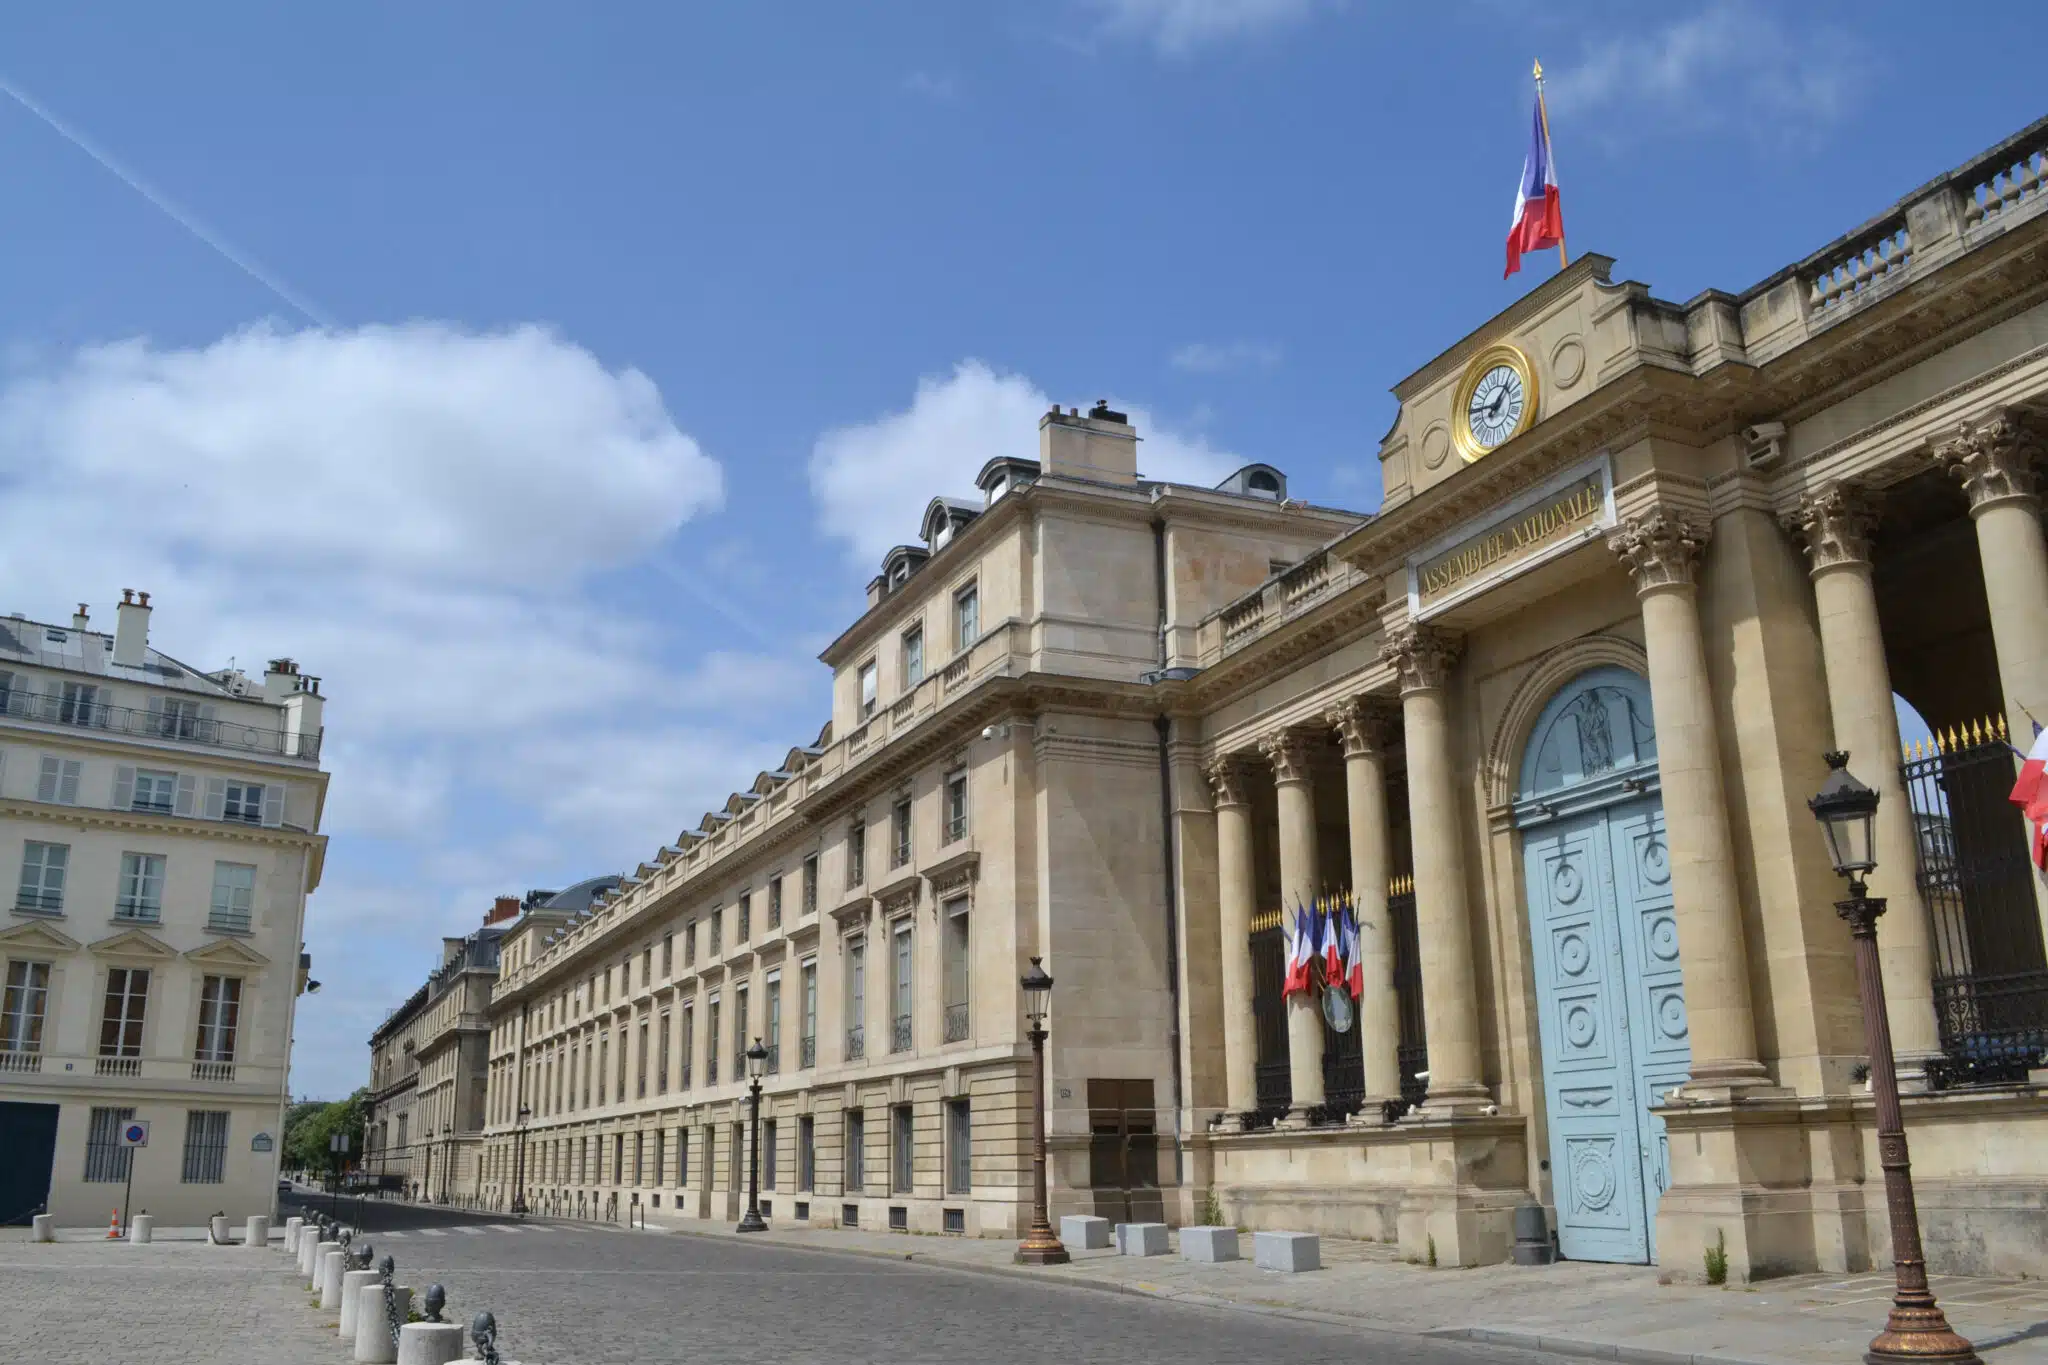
pixel 1496 401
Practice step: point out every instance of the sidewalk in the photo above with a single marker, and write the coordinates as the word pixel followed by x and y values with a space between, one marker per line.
pixel 1606 1312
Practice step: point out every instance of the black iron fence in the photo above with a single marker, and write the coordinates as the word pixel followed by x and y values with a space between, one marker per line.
pixel 1990 974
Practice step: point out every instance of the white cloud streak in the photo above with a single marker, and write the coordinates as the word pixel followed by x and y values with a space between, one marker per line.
pixel 1178 28
pixel 1203 357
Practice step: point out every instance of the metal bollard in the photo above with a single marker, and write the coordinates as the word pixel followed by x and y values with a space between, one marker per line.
pixel 380 1311
pixel 352 1284
pixel 140 1228
pixel 257 1233
pixel 332 1266
pixel 429 1343
pixel 483 1331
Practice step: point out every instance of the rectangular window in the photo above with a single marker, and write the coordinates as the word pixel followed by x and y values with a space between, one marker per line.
pixel 899 833
pixel 142 887
pixel 619 1157
pixel 808 983
pixel 736 1165
pixel 959 1147
pixel 122 1012
pixel 902 986
pixel 717 927
pixel 775 901
pixel 767 1154
pixel 619 1086
pixel 810 886
pixel 682 1157
pixel 688 1041
pixel 604 1063
pixel 741 1022
pixel 639 1156
pixel 806 1153
pixel 867 689
pixel 175 717
pixel 856 853
pixel 966 618
pixel 206 1146
pixel 856 1155
pixel 640 1079
pixel 711 1044
pixel 956 805
pixel 220 1015
pixel 646 967
pixel 744 928
pixel 80 705
pixel 105 1158
pixel 773 1037
pixel 24 1006
pixel 856 999
pixel 690 944
pixel 154 791
pixel 660 1155
pixel 57 783
pixel 913 656
pixel 234 898
pixel 244 801
pixel 668 956
pixel 42 878
pixel 901 1153
pixel 957 961
pixel 661 1066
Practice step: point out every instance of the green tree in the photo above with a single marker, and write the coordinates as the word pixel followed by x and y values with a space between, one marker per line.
pixel 310 1128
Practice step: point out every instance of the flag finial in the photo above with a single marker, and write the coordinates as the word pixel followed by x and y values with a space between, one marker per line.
pixel 1539 70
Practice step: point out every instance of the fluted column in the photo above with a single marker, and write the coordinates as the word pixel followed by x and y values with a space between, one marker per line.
pixel 1291 756
pixel 1662 552
pixel 1362 726
pixel 1236 895
pixel 1836 524
pixel 1450 1010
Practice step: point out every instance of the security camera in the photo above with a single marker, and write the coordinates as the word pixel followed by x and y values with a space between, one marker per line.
pixel 1763 432
pixel 1763 443
pixel 988 732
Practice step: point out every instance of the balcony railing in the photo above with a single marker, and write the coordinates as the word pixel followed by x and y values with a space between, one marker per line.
pixel 21 1061
pixel 899 1034
pixel 39 902
pixel 128 720
pixel 213 1071
pixel 807 1053
pixel 140 911
pixel 118 1066
pixel 856 1043
pixel 774 1059
pixel 956 1023
pixel 228 922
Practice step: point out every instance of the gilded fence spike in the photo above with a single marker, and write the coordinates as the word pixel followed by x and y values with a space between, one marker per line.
pixel 2004 735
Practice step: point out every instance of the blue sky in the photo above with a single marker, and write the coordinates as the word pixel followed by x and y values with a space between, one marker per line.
pixel 636 331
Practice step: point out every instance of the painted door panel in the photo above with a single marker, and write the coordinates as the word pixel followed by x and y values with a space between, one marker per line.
pixel 1662 1041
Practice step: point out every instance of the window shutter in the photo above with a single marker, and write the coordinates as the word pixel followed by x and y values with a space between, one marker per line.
pixel 273 803
pixel 216 798
pixel 67 785
pixel 124 788
pixel 46 783
pixel 188 791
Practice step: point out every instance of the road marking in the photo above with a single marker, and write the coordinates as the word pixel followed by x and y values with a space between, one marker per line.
pixel 467 1231
pixel 399 1235
pixel 506 1227
pixel 433 1232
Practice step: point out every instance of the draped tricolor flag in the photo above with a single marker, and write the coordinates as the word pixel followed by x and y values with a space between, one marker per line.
pixel 1354 960
pixel 1333 939
pixel 2030 794
pixel 1539 217
pixel 1303 945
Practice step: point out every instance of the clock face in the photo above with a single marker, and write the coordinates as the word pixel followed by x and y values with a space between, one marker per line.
pixel 1495 410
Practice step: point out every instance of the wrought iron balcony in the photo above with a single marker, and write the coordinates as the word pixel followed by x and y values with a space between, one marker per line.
pixel 956 1023
pixel 856 1043
pixel 138 909
pixel 807 1053
pixel 31 902
pixel 16 704
pixel 774 1059
pixel 228 922
pixel 899 1034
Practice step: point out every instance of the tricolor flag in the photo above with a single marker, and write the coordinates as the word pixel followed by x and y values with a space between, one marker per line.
pixel 1301 951
pixel 1354 959
pixel 2030 794
pixel 1539 216
pixel 1333 940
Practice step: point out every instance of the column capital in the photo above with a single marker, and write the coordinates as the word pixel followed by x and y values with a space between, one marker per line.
pixel 1421 655
pixel 1290 754
pixel 1993 458
pixel 1226 775
pixel 1362 723
pixel 1835 523
pixel 1661 549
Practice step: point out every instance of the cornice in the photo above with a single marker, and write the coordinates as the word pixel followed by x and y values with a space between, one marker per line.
pixel 148 822
pixel 130 747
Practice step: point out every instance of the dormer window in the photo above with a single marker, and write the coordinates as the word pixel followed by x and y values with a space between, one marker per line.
pixel 944 534
pixel 998 486
pixel 1259 481
pixel 899 575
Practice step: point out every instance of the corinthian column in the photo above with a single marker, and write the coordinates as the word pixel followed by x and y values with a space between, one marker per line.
pixel 1450 1012
pixel 1362 726
pixel 1290 756
pixel 1662 551
pixel 1836 525
pixel 1235 897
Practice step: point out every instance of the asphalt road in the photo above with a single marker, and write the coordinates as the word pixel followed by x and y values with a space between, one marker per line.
pixel 571 1294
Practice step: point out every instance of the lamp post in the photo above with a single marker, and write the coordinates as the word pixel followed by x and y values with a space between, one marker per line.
pixel 1041 1246
pixel 519 1161
pixel 447 1158
pixel 757 1062
pixel 1917 1329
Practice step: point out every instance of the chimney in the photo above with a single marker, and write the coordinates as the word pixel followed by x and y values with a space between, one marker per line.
pixel 280 679
pixel 506 907
pixel 79 620
pixel 131 628
pixel 1102 447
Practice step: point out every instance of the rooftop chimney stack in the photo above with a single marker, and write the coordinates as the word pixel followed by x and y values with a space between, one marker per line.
pixel 79 619
pixel 280 679
pixel 131 628
pixel 1101 447
pixel 506 907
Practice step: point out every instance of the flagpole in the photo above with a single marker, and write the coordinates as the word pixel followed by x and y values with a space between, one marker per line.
pixel 1543 111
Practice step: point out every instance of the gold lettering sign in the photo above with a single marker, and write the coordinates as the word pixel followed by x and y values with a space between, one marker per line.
pixel 1513 537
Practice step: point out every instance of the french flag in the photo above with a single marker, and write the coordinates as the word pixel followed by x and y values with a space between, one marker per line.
pixel 1301 951
pixel 1539 216
pixel 1354 958
pixel 1333 942
pixel 2030 794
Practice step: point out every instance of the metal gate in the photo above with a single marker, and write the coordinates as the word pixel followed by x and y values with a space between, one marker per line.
pixel 28 1148
pixel 1123 1151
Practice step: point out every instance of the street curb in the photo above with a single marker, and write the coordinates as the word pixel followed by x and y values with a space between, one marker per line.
pixel 1590 1350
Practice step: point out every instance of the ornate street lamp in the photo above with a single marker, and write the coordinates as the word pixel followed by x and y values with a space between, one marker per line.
pixel 519 1161
pixel 447 1158
pixel 757 1062
pixel 1917 1328
pixel 1041 1246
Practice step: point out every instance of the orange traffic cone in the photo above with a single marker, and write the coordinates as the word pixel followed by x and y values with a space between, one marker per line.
pixel 114 1226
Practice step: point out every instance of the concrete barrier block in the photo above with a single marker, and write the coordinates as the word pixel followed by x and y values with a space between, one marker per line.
pixel 1141 1239
pixel 1208 1244
pixel 1287 1252
pixel 45 1228
pixel 1083 1232
pixel 140 1228
pixel 429 1343
pixel 257 1232
pixel 374 1307
pixel 332 1266
pixel 352 1282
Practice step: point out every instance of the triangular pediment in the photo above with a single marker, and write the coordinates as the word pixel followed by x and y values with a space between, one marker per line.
pixel 134 943
pixel 37 937
pixel 228 952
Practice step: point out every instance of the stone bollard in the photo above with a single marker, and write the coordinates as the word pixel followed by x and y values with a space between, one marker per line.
pixel 140 1228
pixel 1141 1239
pixel 45 1229
pixel 1288 1252
pixel 318 1259
pixel 1208 1244
pixel 291 1234
pixel 352 1284
pixel 258 1233
pixel 217 1229
pixel 1084 1232
pixel 332 1265
pixel 429 1343
pixel 373 1325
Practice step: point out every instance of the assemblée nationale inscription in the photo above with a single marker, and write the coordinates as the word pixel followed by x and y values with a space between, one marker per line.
pixel 1514 536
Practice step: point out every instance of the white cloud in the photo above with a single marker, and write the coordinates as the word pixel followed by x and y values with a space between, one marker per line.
pixel 1203 357
pixel 1730 65
pixel 1178 27
pixel 873 480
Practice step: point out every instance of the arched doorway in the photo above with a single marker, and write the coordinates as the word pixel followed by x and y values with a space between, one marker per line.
pixel 1604 943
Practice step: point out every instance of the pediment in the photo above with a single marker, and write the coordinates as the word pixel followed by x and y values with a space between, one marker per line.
pixel 228 952
pixel 37 937
pixel 134 943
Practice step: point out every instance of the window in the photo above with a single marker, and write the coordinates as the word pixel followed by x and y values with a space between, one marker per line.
pixel 121 1014
pixel 809 985
pixel 900 1152
pixel 243 802
pixel 79 704
pixel 867 689
pixel 856 853
pixel 806 1152
pixel 668 956
pixel 639 1157
pixel 618 1156
pixel 175 717
pixel 690 944
pixel 913 656
pixel 206 1146
pixel 660 1155
pixel 24 1006
pixel 688 1041
pixel 711 1044
pixel 744 928
pixel 220 1012
pixel 741 1022
pixel 966 617
pixel 959 1147
pixel 154 791
pixel 903 986
pixel 42 878
pixel 646 967
pixel 604 1063
pixel 736 1165
pixel 619 1088
pixel 956 967
pixel 142 887
pixel 956 805
pixel 767 1154
pixel 58 781
pixel 105 1158
pixel 810 886
pixel 856 998
pixel 899 832
pixel 775 901
pixel 856 1150
pixel 661 1064
pixel 640 1061
pixel 717 925
pixel 682 1156
pixel 774 1023
pixel 234 898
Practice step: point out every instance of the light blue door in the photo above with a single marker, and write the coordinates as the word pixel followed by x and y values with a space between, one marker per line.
pixel 1604 943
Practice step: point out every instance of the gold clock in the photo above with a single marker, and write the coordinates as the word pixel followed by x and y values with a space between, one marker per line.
pixel 1495 401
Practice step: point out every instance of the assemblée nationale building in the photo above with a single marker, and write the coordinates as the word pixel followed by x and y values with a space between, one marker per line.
pixel 1551 717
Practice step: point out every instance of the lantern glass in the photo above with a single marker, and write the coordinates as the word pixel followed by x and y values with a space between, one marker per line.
pixel 1037 985
pixel 757 1060
pixel 1847 811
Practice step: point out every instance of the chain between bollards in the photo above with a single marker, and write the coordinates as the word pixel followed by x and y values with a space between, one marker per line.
pixel 386 1270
